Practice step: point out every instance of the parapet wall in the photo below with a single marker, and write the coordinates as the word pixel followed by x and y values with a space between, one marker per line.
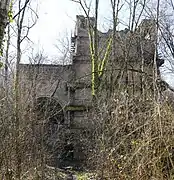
pixel 46 81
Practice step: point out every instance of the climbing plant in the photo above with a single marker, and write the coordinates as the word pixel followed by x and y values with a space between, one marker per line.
pixel 10 12
pixel 98 65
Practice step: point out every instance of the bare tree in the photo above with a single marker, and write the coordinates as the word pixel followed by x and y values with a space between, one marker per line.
pixel 22 8
pixel 63 45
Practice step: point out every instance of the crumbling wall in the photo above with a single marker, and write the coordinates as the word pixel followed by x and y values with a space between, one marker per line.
pixel 133 56
pixel 71 85
pixel 45 81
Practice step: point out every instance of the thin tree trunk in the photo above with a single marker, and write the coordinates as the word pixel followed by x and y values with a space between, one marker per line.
pixel 16 89
pixel 4 4
pixel 95 45
pixel 115 11
pixel 6 60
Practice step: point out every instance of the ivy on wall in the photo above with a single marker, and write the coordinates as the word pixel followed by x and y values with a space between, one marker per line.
pixel 98 65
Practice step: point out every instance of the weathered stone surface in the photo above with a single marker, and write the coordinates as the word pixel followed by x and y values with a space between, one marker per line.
pixel 61 81
pixel 70 85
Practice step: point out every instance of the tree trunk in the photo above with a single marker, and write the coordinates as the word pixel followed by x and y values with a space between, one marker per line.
pixel 4 4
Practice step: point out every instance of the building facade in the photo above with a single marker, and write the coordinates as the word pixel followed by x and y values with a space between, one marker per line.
pixel 62 93
pixel 70 85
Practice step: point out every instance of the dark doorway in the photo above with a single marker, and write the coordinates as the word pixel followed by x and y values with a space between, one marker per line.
pixel 49 110
pixel 50 118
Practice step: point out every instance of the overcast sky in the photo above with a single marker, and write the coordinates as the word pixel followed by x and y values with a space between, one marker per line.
pixel 57 20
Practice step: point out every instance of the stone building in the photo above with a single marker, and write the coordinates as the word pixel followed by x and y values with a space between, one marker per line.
pixel 70 85
pixel 65 90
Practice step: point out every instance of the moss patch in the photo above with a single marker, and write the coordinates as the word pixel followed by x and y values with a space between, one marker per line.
pixel 76 108
pixel 85 176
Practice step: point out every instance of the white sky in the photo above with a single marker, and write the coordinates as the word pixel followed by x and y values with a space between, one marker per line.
pixel 57 21
pixel 56 18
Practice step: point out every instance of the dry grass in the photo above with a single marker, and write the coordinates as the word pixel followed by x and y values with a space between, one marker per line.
pixel 134 139
pixel 131 138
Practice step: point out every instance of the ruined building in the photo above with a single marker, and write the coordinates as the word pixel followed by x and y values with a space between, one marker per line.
pixel 70 85
pixel 65 90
